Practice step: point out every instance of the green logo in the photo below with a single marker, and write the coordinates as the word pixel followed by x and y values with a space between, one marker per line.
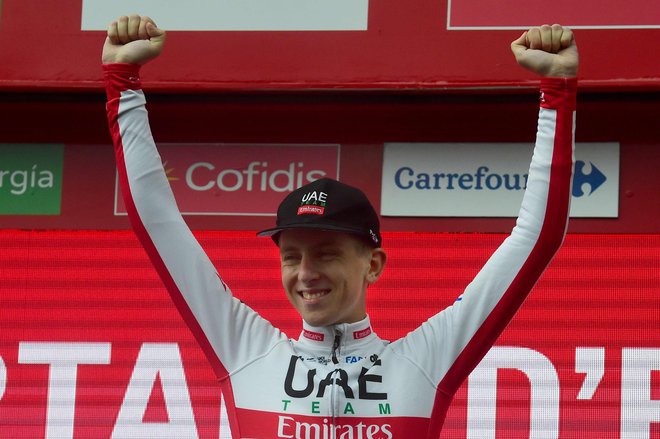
pixel 30 179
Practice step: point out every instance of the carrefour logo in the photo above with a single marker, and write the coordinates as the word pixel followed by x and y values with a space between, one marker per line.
pixel 488 179
pixel 593 179
pixel 483 178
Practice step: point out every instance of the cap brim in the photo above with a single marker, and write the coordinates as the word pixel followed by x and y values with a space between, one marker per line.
pixel 329 227
pixel 326 227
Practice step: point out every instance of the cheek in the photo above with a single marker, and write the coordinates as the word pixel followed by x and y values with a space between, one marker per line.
pixel 362 268
pixel 287 277
pixel 356 276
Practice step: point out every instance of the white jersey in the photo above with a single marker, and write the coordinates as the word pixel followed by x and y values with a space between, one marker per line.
pixel 341 382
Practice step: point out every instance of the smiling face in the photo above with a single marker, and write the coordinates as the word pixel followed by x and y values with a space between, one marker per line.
pixel 325 274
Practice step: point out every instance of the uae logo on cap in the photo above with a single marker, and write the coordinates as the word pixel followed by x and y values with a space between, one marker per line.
pixel 313 203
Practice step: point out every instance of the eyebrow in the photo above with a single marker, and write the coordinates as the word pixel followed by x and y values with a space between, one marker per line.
pixel 330 243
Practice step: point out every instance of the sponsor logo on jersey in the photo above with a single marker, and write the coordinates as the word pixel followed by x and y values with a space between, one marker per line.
pixel 303 385
pixel 316 336
pixel 289 427
pixel 357 335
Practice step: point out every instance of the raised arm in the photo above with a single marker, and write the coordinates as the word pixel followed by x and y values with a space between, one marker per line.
pixel 228 331
pixel 449 345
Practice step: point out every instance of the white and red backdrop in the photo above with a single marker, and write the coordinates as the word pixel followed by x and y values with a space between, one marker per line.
pixel 92 347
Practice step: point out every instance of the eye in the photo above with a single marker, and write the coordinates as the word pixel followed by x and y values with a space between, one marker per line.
pixel 328 254
pixel 289 257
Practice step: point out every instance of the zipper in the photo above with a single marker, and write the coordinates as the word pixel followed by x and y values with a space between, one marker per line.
pixel 334 394
pixel 335 346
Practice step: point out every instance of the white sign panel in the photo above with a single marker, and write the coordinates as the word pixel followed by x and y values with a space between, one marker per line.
pixel 232 15
pixel 488 179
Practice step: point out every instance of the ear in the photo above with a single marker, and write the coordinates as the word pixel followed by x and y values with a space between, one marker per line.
pixel 376 265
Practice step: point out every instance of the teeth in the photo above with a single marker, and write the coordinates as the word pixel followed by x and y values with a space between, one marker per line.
pixel 309 295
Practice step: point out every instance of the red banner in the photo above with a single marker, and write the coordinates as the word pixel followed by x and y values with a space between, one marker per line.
pixel 91 345
pixel 327 44
pixel 526 13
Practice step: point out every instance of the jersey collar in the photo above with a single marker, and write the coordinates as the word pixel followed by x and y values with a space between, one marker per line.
pixel 351 333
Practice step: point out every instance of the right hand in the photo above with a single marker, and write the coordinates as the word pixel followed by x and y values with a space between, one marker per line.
pixel 134 40
pixel 547 51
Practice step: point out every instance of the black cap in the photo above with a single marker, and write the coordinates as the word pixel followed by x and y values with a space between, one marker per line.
pixel 328 204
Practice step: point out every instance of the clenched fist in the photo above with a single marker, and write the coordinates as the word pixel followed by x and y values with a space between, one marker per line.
pixel 134 39
pixel 547 51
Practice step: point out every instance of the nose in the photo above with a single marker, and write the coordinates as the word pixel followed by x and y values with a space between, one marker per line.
pixel 308 269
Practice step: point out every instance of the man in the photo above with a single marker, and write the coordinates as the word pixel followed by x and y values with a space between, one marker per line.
pixel 329 241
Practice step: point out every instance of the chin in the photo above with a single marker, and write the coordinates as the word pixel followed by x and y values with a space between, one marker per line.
pixel 318 320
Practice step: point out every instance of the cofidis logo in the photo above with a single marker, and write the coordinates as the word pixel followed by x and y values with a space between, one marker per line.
pixel 241 179
pixel 30 179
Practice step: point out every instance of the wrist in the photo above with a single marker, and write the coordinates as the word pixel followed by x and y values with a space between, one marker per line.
pixel 121 67
pixel 121 76
pixel 558 91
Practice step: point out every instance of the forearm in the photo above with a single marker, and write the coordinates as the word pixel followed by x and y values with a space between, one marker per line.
pixel 141 175
pixel 545 205
pixel 148 197
pixel 218 321
pixel 491 300
pixel 463 333
pixel 149 201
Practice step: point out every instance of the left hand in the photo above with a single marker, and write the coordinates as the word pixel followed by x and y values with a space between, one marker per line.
pixel 548 51
pixel 133 39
